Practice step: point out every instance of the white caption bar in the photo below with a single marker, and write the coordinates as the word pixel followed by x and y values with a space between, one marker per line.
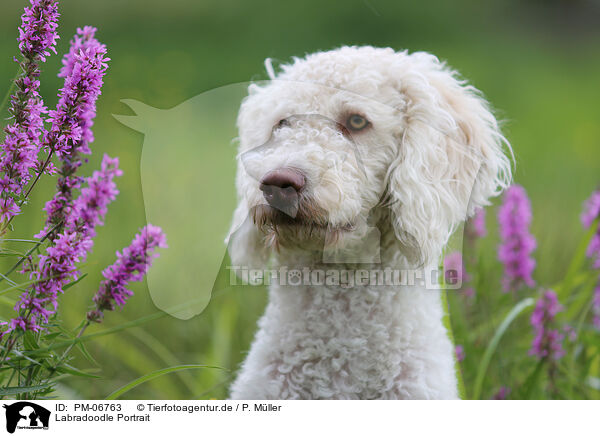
pixel 91 418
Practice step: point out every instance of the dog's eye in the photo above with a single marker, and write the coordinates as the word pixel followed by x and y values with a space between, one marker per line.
pixel 282 123
pixel 356 122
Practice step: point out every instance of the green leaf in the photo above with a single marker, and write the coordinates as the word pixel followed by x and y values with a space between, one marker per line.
pixel 11 89
pixel 116 394
pixel 23 389
pixel 584 294
pixel 74 282
pixel 134 323
pixel 24 285
pixel 68 369
pixel 30 341
pixel 31 241
pixel 137 322
pixel 22 356
pixel 160 350
pixel 10 253
pixel 531 380
pixel 87 354
pixel 577 263
pixel 31 250
pixel 52 336
pixel 489 351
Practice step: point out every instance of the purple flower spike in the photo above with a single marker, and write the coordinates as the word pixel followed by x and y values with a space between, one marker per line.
pixel 84 67
pixel 131 265
pixel 37 33
pixel 72 119
pixel 476 225
pixel 517 243
pixel 591 211
pixel 91 206
pixel 502 393
pixel 21 146
pixel 454 269
pixel 548 339
pixel 59 266
pixel 460 353
pixel 596 307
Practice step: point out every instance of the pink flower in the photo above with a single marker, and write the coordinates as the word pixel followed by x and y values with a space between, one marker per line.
pixel 596 307
pixel 21 146
pixel 548 340
pixel 514 217
pixel 71 132
pixel 454 269
pixel 591 211
pixel 131 265
pixel 502 393
pixel 58 266
pixel 476 225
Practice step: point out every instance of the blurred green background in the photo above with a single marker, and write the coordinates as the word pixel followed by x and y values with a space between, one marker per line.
pixel 538 62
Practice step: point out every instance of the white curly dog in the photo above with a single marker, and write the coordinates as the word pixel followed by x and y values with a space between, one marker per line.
pixel 338 147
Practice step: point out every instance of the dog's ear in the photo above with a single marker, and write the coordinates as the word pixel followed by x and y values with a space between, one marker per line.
pixel 451 154
pixel 245 243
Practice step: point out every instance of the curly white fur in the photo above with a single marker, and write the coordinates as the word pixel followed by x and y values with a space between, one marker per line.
pixel 432 154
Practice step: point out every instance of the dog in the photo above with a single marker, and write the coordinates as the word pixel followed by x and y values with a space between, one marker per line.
pixel 349 160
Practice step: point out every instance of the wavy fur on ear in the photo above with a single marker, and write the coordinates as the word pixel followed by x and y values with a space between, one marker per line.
pixel 245 243
pixel 451 156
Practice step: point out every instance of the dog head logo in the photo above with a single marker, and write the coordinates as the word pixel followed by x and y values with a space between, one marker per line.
pixel 187 169
pixel 26 415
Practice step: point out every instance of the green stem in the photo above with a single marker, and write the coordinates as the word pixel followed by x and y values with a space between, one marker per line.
pixel 37 244
pixel 37 178
pixel 67 351
pixel 9 92
pixel 110 331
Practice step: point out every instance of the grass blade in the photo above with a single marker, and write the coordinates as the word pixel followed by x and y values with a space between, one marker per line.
pixel 85 338
pixel 125 326
pixel 531 380
pixel 577 263
pixel 23 389
pixel 129 386
pixel 489 351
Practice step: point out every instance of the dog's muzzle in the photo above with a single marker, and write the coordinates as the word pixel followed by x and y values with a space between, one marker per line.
pixel 281 188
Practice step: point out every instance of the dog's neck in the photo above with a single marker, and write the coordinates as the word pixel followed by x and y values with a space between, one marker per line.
pixel 349 341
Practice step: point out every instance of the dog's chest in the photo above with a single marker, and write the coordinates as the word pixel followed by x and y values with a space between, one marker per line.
pixel 337 345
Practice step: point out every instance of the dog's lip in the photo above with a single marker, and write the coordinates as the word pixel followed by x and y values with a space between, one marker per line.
pixel 282 219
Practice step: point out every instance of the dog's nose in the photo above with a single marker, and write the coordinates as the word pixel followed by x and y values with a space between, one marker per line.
pixel 283 178
pixel 281 187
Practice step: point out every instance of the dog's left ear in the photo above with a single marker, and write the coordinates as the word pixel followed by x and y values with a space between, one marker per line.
pixel 451 154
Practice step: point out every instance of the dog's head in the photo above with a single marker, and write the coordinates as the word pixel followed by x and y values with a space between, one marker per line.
pixel 341 138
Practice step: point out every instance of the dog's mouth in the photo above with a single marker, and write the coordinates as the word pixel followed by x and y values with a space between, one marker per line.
pixel 309 225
